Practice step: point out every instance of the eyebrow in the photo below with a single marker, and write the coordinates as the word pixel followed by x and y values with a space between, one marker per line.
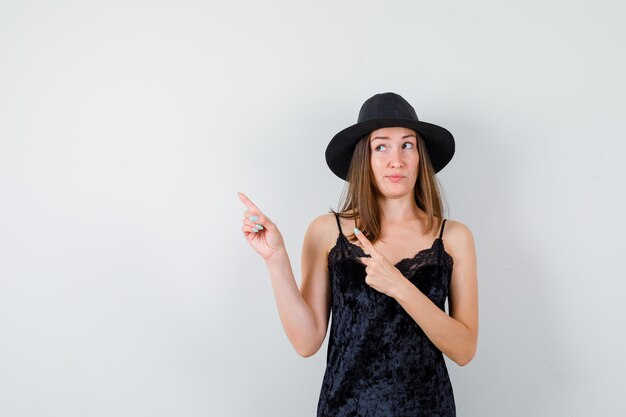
pixel 387 137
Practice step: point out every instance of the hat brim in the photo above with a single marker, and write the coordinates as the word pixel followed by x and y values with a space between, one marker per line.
pixel 439 143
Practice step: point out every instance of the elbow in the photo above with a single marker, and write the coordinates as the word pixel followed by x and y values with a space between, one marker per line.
pixel 305 353
pixel 464 361
pixel 467 357
pixel 469 350
pixel 307 349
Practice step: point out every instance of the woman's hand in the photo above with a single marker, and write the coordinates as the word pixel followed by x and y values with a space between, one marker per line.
pixel 381 274
pixel 266 240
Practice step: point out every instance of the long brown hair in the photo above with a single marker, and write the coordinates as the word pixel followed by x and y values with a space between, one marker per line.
pixel 361 193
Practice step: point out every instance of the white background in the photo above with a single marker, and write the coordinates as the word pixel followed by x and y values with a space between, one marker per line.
pixel 127 128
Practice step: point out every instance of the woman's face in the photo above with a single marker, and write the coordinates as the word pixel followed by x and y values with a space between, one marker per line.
pixel 394 160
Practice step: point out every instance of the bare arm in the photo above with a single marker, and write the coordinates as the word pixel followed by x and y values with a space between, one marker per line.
pixel 295 314
pixel 303 313
pixel 456 335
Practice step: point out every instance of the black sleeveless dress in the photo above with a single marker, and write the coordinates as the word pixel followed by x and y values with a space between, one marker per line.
pixel 379 361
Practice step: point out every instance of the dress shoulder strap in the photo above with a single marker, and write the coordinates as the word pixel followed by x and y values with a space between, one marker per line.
pixel 442 225
pixel 338 223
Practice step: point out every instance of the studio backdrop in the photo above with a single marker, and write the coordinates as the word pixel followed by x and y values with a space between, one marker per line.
pixel 127 129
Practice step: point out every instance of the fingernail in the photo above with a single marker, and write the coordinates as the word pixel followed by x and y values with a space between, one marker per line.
pixel 258 226
pixel 356 231
pixel 254 230
pixel 254 218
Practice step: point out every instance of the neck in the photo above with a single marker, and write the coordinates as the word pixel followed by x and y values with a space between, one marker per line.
pixel 399 210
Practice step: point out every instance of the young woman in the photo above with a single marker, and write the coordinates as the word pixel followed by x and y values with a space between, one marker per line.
pixel 386 283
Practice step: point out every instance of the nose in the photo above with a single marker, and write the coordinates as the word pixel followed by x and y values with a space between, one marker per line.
pixel 396 159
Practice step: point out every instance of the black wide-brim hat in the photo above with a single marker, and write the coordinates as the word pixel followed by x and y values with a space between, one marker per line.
pixel 388 110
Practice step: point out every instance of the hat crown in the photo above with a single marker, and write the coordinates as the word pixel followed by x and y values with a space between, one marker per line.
pixel 388 110
pixel 386 106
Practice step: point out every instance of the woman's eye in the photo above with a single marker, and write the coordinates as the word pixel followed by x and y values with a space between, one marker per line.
pixel 376 148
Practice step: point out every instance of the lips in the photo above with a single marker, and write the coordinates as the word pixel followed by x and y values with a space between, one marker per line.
pixel 395 178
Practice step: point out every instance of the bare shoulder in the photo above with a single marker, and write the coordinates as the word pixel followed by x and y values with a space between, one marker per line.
pixel 323 231
pixel 458 239
pixel 323 223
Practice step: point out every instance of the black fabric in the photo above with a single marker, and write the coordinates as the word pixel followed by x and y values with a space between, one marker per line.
pixel 379 361
pixel 388 110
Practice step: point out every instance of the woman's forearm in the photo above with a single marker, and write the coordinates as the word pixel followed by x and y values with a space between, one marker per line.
pixel 295 314
pixel 450 336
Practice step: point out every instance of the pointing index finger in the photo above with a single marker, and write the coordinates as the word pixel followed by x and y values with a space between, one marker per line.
pixel 370 249
pixel 245 200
